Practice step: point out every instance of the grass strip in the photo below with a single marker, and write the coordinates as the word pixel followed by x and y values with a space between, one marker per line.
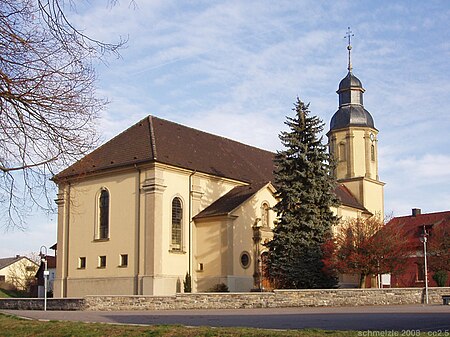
pixel 11 326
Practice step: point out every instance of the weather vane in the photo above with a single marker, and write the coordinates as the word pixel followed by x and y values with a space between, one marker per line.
pixel 348 35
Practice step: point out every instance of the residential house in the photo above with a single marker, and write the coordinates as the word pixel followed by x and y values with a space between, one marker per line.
pixel 17 271
pixel 435 227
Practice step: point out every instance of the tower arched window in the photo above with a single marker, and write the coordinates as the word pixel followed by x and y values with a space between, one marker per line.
pixel 177 217
pixel 103 228
pixel 372 152
pixel 265 214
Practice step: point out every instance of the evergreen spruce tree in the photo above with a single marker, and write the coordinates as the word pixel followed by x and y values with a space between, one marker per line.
pixel 305 186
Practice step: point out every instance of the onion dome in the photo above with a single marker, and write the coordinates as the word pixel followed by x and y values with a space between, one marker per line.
pixel 351 109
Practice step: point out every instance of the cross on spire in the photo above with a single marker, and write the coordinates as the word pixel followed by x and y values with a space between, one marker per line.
pixel 348 35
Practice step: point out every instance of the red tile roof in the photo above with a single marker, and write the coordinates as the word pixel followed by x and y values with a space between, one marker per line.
pixel 413 225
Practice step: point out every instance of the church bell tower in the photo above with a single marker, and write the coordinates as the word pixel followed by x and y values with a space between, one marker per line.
pixel 353 141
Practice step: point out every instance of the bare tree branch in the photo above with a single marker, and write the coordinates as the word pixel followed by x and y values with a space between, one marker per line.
pixel 48 104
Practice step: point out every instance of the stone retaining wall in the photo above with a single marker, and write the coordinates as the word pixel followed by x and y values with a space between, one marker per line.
pixel 66 304
pixel 275 299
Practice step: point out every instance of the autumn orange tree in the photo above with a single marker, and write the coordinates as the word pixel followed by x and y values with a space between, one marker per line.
pixel 365 246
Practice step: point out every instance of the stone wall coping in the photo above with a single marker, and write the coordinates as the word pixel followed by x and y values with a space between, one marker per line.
pixel 132 296
pixel 353 289
pixel 42 299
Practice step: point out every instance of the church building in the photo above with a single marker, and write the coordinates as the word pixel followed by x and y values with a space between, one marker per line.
pixel 162 200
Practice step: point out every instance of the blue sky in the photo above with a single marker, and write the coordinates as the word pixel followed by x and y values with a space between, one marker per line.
pixel 235 68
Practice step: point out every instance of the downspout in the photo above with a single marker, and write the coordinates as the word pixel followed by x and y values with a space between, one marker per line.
pixel 138 230
pixel 190 226
pixel 66 239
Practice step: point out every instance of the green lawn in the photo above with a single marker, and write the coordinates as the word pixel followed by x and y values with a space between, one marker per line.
pixel 12 293
pixel 16 327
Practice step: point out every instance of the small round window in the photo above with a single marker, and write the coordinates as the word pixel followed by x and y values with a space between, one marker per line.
pixel 245 260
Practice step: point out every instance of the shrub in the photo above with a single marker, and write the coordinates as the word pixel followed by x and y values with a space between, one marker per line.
pixel 187 283
pixel 219 288
pixel 441 278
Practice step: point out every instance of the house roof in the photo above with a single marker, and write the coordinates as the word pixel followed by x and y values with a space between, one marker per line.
pixel 413 225
pixel 230 201
pixel 5 262
pixel 157 140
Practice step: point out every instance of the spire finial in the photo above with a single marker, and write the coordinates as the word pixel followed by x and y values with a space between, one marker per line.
pixel 348 35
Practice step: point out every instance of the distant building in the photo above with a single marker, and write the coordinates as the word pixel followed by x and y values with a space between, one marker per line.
pixel 415 225
pixel 51 268
pixel 17 271
pixel 161 200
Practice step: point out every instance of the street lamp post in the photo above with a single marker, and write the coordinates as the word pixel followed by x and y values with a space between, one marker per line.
pixel 46 272
pixel 257 263
pixel 423 239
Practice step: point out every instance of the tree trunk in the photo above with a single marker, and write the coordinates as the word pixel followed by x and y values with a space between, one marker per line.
pixel 362 281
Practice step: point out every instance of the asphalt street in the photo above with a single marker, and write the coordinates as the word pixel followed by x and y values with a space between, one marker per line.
pixel 408 318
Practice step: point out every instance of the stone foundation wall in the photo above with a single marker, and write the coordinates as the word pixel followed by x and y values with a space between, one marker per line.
pixel 275 299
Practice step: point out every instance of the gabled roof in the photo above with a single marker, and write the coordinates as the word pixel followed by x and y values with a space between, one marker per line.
pixel 157 140
pixel 238 195
pixel 230 201
pixel 413 225
pixel 5 262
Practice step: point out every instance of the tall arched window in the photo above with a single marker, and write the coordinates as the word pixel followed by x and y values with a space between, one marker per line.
pixel 103 232
pixel 265 214
pixel 372 152
pixel 177 216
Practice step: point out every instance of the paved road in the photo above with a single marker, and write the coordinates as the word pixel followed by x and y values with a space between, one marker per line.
pixel 430 318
